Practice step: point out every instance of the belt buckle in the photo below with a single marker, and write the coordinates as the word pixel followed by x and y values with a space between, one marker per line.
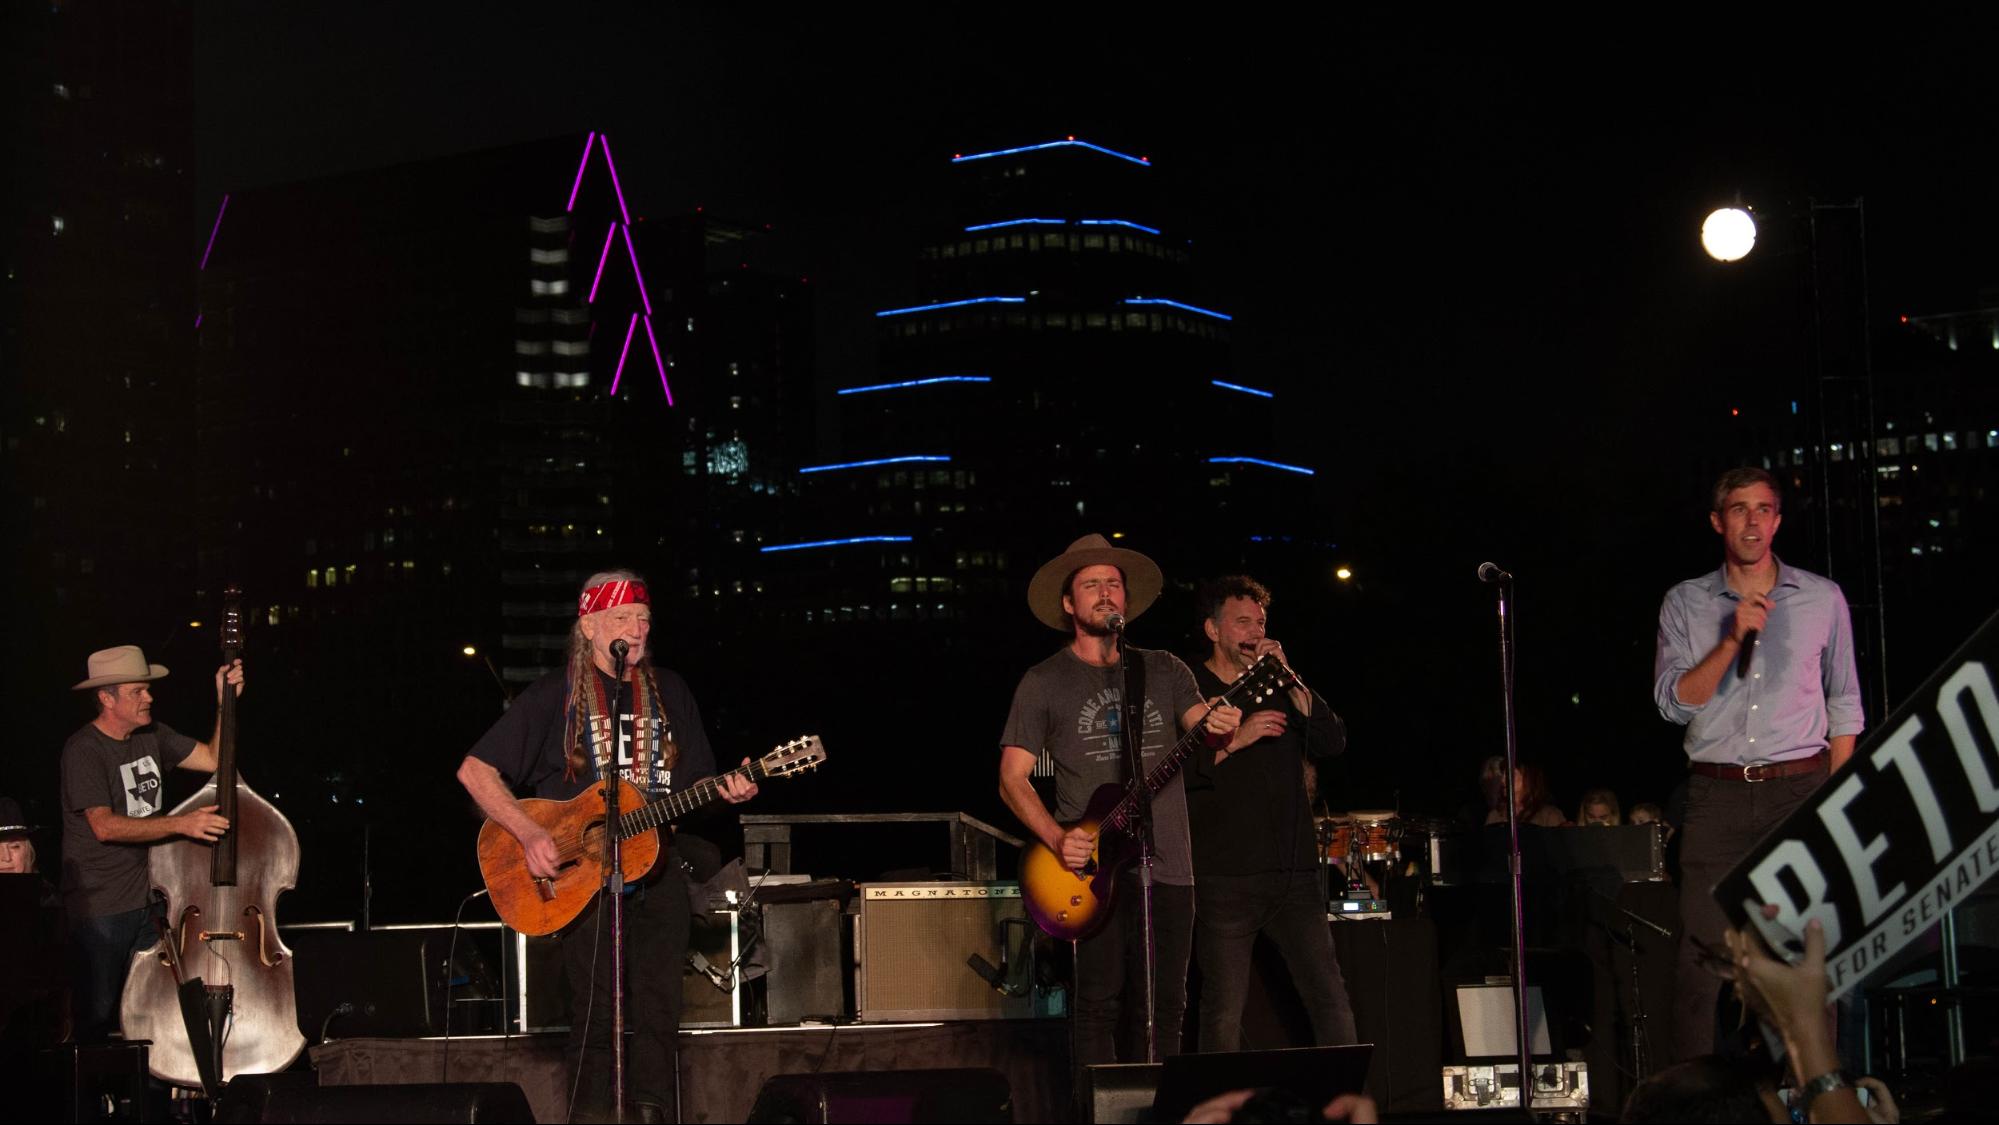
pixel 1749 772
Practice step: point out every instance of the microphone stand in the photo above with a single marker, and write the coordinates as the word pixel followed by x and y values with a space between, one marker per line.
pixel 614 882
pixel 1523 1043
pixel 1135 766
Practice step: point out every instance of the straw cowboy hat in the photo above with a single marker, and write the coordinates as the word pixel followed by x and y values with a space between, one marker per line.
pixel 1142 579
pixel 125 664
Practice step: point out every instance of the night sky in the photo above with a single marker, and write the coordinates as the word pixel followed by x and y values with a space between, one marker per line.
pixel 1470 253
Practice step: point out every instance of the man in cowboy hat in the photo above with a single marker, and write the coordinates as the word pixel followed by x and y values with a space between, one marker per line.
pixel 1070 706
pixel 112 811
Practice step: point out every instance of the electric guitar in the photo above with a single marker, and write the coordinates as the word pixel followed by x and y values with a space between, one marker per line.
pixel 543 906
pixel 1071 905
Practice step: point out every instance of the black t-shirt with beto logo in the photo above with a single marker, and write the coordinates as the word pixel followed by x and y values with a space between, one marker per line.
pixel 129 778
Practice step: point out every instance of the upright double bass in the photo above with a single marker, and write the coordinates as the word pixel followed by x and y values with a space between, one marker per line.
pixel 215 993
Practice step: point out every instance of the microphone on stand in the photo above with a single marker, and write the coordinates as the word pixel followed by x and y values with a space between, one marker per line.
pixel 1490 572
pixel 620 650
pixel 1115 623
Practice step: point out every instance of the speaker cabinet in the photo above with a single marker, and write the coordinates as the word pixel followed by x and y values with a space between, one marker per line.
pixel 892 1097
pixel 915 940
pixel 803 944
pixel 89 1082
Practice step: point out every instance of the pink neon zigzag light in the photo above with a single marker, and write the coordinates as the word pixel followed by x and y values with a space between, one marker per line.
pixel 620 372
pixel 658 362
pixel 602 257
pixel 602 141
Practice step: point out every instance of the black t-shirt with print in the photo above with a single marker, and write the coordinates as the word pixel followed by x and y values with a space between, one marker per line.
pixel 129 778
pixel 526 744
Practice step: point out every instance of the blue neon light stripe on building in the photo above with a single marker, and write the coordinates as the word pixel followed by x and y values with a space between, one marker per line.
pixel 1243 389
pixel 870 464
pixel 1138 160
pixel 1017 223
pixel 835 543
pixel 1118 223
pixel 914 383
pixel 1177 305
pixel 955 304
pixel 1260 461
pixel 1062 222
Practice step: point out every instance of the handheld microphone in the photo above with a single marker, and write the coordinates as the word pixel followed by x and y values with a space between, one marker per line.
pixel 1116 623
pixel 1748 650
pixel 1490 572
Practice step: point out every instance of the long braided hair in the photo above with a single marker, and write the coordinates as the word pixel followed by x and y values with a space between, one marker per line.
pixel 587 708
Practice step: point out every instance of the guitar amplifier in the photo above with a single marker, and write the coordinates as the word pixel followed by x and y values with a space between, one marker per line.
pixel 913 943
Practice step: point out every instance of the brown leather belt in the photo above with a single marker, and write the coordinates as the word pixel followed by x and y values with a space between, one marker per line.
pixel 1765 771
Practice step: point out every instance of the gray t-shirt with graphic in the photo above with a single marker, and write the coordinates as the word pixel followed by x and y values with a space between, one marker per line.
pixel 129 778
pixel 1070 709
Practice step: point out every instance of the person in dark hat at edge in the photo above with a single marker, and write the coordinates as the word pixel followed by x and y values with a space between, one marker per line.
pixel 34 997
pixel 113 810
pixel 1069 705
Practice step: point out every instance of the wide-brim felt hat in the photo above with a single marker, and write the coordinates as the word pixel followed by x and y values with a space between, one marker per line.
pixel 12 823
pixel 1142 579
pixel 125 664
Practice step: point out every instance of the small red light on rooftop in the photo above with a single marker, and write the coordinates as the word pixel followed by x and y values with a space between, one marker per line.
pixel 1072 136
pixel 1905 318
pixel 1734 413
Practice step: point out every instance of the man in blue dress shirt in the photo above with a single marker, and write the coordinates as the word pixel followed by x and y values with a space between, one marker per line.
pixel 1756 661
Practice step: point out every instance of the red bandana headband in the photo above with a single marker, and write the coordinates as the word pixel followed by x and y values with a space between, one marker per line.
pixel 610 595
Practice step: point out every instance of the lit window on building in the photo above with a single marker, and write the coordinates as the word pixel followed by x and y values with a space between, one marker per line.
pixel 312 580
pixel 1949 442
pixel 523 379
pixel 553 257
pixel 56 221
pixel 558 287
pixel 332 577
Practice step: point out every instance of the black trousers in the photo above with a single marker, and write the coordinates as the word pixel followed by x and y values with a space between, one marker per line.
pixel 1724 819
pixel 1110 964
pixel 1289 907
pixel 657 917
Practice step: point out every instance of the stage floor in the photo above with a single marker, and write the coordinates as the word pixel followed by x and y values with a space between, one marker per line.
pixel 722 1069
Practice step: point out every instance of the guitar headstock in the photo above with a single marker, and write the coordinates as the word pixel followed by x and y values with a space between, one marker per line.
pixel 796 756
pixel 1264 680
pixel 232 622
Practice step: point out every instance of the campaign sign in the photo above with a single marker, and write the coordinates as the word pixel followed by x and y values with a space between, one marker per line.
pixel 1897 838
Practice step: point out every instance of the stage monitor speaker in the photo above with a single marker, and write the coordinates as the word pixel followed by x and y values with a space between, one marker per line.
pixel 1121 1093
pixel 891 1097
pixel 279 1099
pixel 915 940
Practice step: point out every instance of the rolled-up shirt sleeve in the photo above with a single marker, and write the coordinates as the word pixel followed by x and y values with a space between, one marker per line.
pixel 1841 677
pixel 1674 658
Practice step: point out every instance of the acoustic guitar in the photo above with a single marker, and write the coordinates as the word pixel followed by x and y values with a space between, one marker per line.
pixel 543 906
pixel 1071 905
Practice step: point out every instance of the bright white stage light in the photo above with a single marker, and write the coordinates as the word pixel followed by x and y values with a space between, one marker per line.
pixel 1729 234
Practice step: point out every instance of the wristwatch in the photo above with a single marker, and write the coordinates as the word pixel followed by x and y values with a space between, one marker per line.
pixel 1824 1084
